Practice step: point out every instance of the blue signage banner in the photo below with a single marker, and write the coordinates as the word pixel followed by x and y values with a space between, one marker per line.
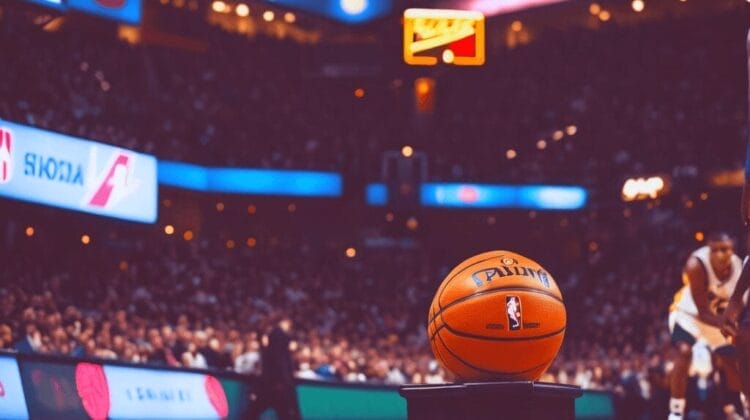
pixel 537 197
pixel 63 171
pixel 128 11
pixel 55 4
pixel 250 181
pixel 348 11
pixel 376 194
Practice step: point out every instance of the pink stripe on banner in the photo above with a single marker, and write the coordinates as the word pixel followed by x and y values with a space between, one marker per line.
pixel 104 191
pixel 5 144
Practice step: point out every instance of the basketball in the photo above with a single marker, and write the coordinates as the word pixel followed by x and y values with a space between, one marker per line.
pixel 497 315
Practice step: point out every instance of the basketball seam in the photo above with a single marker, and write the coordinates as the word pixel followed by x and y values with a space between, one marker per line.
pixel 536 337
pixel 442 289
pixel 456 357
pixel 491 291
pixel 437 330
pixel 438 353
pixel 483 337
pixel 493 372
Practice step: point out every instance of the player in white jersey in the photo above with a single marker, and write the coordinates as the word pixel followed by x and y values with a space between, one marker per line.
pixel 710 276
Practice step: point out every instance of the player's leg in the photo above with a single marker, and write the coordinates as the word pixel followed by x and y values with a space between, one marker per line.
pixel 742 343
pixel 729 389
pixel 681 358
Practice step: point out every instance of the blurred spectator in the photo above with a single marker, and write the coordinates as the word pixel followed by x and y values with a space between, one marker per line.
pixel 277 389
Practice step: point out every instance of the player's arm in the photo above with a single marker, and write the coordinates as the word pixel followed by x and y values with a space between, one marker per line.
pixel 696 275
pixel 745 201
pixel 736 303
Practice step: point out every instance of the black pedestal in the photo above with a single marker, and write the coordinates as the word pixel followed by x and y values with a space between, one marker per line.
pixel 491 400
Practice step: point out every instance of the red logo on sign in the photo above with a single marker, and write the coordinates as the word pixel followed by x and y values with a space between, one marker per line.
pixel 116 177
pixel 112 4
pixel 5 155
pixel 216 395
pixel 468 194
pixel 91 385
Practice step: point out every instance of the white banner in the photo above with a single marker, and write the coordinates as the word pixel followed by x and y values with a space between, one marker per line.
pixel 12 400
pixel 62 171
pixel 150 394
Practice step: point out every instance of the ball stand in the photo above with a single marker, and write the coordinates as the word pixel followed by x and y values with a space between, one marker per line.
pixel 491 400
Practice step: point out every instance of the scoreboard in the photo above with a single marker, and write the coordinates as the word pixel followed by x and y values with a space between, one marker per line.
pixel 437 35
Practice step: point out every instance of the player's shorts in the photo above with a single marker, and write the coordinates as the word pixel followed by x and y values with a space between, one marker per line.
pixel 744 319
pixel 688 328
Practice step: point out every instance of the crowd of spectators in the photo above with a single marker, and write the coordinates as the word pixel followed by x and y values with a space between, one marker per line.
pixel 615 103
pixel 156 298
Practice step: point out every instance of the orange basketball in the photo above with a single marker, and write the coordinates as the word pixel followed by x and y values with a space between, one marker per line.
pixel 497 315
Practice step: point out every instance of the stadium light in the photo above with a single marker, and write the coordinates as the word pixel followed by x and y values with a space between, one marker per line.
pixel 541 144
pixel 268 15
pixel 644 188
pixel 448 56
pixel 511 154
pixel 85 239
pixel 595 9
pixel 289 17
pixel 351 252
pixel 557 135
pixel 516 26
pixel 218 6
pixel 242 10
pixel 30 231
pixel 169 229
pixel 638 5
pixel 407 151
pixel 353 7
pixel 571 130
pixel 604 16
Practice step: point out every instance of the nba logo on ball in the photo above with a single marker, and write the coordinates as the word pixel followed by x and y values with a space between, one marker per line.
pixel 513 305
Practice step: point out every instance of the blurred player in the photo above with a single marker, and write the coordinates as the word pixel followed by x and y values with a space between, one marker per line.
pixel 736 319
pixel 736 325
pixel 710 276
pixel 277 389
pixel 745 201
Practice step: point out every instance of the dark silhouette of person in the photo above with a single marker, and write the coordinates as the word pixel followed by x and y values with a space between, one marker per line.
pixel 277 386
